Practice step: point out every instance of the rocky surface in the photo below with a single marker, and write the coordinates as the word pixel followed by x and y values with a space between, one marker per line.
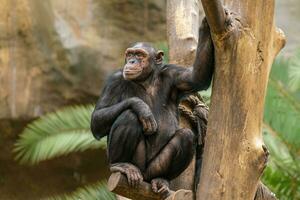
pixel 57 52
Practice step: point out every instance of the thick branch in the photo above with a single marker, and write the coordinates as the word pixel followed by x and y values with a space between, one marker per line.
pixel 118 184
pixel 215 15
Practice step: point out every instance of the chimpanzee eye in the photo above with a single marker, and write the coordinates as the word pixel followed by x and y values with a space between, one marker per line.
pixel 129 54
pixel 140 54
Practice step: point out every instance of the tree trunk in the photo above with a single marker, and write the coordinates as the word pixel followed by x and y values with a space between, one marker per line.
pixel 183 20
pixel 245 46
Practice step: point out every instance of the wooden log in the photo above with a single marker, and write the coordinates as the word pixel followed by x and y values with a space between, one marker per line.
pixel 118 184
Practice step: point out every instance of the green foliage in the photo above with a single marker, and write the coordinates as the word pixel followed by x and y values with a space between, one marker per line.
pixel 282 173
pixel 57 134
pixel 97 191
pixel 206 95
pixel 294 74
pixel 282 129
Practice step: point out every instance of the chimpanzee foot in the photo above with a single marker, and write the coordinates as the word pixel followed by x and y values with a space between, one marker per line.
pixel 160 186
pixel 134 175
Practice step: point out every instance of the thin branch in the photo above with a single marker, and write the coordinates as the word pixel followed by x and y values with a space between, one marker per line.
pixel 215 15
pixel 279 41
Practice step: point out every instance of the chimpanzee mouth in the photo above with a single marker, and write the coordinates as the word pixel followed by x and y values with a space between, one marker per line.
pixel 132 72
pixel 130 75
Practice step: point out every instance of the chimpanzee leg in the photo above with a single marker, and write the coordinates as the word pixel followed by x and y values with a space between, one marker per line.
pixel 171 160
pixel 126 152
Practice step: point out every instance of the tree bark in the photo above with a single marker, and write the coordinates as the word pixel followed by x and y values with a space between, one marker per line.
pixel 183 20
pixel 246 42
pixel 118 184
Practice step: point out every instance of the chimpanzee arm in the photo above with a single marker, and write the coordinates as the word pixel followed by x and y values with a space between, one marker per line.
pixel 104 117
pixel 110 106
pixel 199 76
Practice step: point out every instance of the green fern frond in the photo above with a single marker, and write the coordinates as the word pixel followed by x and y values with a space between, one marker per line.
pixel 281 132
pixel 294 72
pixel 66 119
pixel 282 109
pixel 97 191
pixel 32 151
pixel 282 174
pixel 57 134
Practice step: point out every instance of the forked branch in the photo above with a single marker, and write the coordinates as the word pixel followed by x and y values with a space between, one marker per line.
pixel 215 15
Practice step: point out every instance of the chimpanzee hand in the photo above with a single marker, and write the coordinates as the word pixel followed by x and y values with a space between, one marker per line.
pixel 160 186
pixel 145 115
pixel 204 28
pixel 133 173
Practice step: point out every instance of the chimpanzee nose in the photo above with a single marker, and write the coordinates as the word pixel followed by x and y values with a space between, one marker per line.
pixel 132 61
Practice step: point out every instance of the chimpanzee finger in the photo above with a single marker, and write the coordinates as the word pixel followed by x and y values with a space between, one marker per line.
pixel 162 189
pixel 117 169
pixel 149 127
pixel 136 180
pixel 154 187
pixel 204 21
pixel 132 179
pixel 144 124
pixel 129 178
pixel 153 124
pixel 140 178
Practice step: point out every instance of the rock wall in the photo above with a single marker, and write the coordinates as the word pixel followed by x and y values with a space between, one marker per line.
pixel 55 52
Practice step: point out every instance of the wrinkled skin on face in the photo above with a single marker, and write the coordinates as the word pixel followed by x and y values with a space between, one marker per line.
pixel 140 62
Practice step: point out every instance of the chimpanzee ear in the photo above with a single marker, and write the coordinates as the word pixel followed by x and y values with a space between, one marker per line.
pixel 159 57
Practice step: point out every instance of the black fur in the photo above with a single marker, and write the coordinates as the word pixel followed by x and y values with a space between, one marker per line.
pixel 166 150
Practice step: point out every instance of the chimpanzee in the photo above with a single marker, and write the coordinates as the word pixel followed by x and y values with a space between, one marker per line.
pixel 138 111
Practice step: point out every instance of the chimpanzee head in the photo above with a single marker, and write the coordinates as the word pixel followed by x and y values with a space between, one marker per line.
pixel 140 60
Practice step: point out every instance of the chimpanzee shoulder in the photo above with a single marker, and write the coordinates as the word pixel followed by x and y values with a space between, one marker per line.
pixel 109 94
pixel 171 69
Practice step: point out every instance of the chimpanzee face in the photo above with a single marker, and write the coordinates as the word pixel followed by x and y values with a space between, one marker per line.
pixel 140 61
pixel 137 63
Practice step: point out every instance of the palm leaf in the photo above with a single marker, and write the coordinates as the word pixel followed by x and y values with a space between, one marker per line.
pixel 282 109
pixel 281 132
pixel 294 73
pixel 97 191
pixel 283 172
pixel 57 134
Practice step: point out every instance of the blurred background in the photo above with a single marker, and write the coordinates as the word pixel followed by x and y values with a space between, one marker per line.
pixel 54 57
